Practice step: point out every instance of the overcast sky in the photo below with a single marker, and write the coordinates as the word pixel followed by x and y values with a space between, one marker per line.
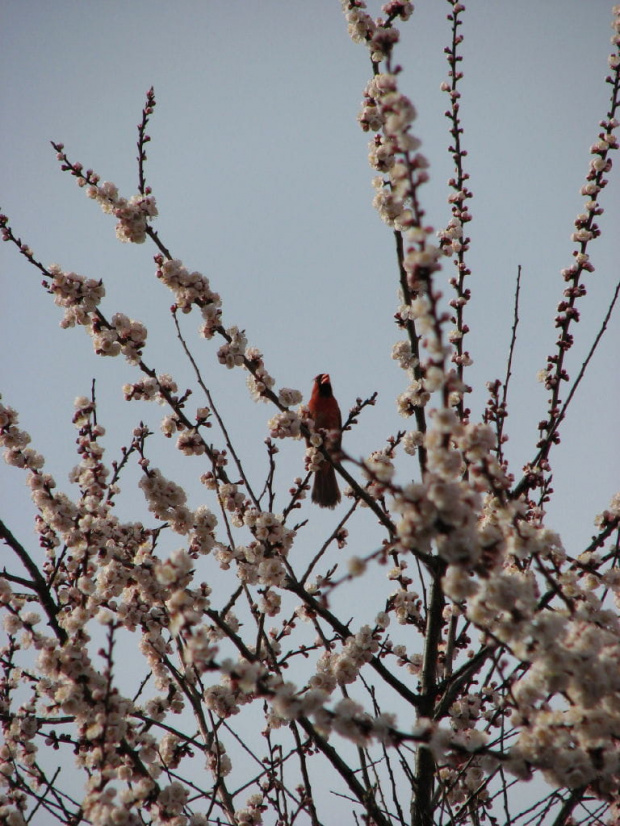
pixel 262 183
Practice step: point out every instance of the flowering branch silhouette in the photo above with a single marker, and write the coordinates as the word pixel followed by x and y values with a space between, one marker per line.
pixel 196 669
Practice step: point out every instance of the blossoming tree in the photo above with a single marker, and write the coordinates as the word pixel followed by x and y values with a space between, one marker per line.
pixel 485 654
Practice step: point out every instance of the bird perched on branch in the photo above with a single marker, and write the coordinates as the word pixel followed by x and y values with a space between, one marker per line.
pixel 326 414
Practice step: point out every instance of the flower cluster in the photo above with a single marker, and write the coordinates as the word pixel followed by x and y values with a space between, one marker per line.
pixel 421 260
pixel 125 335
pixel 251 815
pixel 262 560
pixel 611 515
pixel 348 718
pixel 379 470
pixel 176 571
pixel 191 443
pixel 166 500
pixel 285 425
pixel 15 442
pixel 269 529
pixel 314 458
pixel 379 35
pixel 151 388
pixel 451 238
pixel 393 151
pixel 407 607
pixel 414 396
pixel 202 535
pixel 445 510
pixel 232 352
pixel 287 396
pixel 91 474
pixel 401 352
pixel 360 24
pixel 259 381
pixel 79 296
pixel 191 288
pixel 170 802
pixel 441 512
pixel 231 497
pixel 569 651
pixel 412 440
pixel 132 214
pixel 356 652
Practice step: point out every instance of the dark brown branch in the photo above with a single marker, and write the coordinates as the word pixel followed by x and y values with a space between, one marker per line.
pixel 38 584
pixel 366 799
pixel 421 803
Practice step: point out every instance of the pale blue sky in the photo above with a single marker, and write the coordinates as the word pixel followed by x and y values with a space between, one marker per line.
pixel 262 183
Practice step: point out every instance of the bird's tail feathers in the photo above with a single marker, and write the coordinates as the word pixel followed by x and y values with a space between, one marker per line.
pixel 325 491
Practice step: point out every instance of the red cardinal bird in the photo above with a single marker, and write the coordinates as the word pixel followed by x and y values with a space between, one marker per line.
pixel 326 414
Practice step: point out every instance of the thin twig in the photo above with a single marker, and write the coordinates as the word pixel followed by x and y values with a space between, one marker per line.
pixel 513 339
pixel 520 488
